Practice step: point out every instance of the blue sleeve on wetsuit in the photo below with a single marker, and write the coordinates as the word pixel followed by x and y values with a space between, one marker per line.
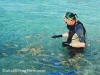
pixel 79 31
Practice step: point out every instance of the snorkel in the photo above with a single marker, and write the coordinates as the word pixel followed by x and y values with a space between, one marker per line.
pixel 70 15
pixel 70 19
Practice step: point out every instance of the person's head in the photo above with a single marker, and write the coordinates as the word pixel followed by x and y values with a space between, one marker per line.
pixel 70 18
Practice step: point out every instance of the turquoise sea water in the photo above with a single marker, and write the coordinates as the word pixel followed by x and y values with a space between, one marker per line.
pixel 26 27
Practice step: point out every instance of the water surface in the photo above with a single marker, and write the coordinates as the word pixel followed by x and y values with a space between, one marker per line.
pixel 26 27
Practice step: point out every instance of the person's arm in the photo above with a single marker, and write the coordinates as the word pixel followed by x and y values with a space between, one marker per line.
pixel 78 45
pixel 65 34
pixel 62 35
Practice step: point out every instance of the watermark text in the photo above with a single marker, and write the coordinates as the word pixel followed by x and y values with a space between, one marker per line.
pixel 22 70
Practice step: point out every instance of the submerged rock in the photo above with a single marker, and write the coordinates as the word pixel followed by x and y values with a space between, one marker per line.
pixel 4 54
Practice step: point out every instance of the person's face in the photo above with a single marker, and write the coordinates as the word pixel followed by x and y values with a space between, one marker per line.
pixel 69 21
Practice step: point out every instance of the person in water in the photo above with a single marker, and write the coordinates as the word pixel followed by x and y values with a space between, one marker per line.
pixel 76 34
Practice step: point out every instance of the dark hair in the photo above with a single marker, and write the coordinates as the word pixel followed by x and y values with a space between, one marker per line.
pixel 70 15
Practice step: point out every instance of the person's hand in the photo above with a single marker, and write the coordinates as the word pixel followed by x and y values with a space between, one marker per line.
pixel 56 36
pixel 66 44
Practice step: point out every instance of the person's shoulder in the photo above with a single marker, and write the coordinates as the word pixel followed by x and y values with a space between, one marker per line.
pixel 79 22
pixel 78 27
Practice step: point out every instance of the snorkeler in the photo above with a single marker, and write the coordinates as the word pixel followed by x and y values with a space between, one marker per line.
pixel 76 34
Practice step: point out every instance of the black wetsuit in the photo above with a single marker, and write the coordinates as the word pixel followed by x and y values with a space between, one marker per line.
pixel 76 34
pixel 77 29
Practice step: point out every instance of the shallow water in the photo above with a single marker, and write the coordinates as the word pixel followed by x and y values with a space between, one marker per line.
pixel 26 27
